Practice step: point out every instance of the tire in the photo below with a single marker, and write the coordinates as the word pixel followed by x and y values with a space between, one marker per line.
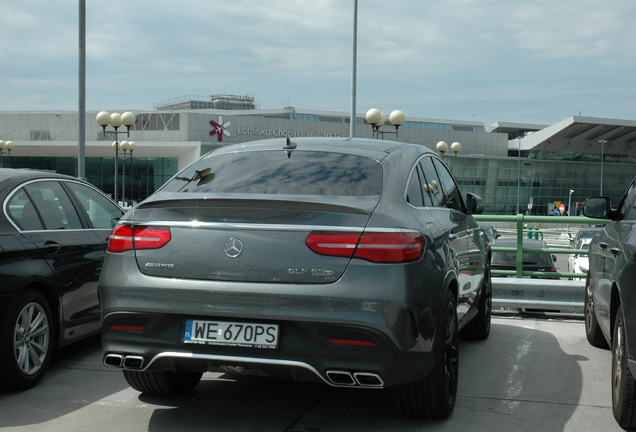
pixel 163 383
pixel 592 329
pixel 27 341
pixel 479 327
pixel 623 384
pixel 435 396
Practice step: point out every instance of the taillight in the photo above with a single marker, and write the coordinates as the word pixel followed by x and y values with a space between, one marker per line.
pixel 127 237
pixel 380 247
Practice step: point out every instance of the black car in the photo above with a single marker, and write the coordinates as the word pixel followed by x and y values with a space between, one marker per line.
pixel 53 235
pixel 531 261
pixel 351 262
pixel 610 317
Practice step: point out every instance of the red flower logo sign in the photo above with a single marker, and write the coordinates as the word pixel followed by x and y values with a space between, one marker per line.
pixel 219 130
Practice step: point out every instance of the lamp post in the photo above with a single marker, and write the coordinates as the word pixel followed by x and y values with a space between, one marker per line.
pixel 126 146
pixel 115 120
pixel 442 147
pixel 8 145
pixel 131 146
pixel 376 119
pixel 602 159
pixel 569 203
pixel 518 172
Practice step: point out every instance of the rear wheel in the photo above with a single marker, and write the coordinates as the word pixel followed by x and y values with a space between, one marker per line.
pixel 592 330
pixel 26 341
pixel 623 384
pixel 435 396
pixel 163 383
pixel 479 327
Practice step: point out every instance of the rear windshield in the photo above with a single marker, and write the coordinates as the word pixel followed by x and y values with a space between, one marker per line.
pixel 510 258
pixel 272 172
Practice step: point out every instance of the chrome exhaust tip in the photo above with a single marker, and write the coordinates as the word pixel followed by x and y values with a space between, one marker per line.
pixel 114 360
pixel 341 378
pixel 368 379
pixel 133 362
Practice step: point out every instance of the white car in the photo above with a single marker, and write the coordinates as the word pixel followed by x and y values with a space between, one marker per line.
pixel 579 263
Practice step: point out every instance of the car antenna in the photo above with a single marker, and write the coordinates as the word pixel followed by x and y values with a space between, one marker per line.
pixel 289 147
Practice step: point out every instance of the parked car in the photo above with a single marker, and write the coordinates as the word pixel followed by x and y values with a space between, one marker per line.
pixel 352 262
pixel 53 235
pixel 585 233
pixel 579 262
pixel 532 261
pixel 610 295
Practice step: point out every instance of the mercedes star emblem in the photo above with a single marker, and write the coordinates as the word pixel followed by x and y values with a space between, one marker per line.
pixel 233 247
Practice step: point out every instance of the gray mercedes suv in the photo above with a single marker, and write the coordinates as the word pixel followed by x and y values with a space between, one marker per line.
pixel 351 262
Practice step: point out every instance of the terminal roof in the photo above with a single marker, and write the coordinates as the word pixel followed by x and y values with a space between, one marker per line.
pixel 582 135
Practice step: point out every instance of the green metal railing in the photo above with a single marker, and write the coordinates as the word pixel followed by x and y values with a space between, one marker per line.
pixel 520 221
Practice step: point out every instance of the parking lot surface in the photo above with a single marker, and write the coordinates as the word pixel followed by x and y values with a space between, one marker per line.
pixel 530 375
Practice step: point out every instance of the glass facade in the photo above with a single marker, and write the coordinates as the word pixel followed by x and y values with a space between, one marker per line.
pixel 542 182
pixel 142 176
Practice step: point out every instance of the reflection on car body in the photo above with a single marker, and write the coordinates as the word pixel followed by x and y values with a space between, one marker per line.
pixel 351 262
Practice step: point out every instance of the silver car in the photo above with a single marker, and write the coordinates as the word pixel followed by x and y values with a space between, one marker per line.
pixel 351 262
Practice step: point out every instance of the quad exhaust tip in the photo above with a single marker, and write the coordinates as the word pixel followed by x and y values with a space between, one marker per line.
pixel 351 379
pixel 125 362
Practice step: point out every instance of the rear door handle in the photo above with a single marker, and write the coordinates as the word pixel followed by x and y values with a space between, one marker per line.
pixel 52 247
pixel 615 251
pixel 603 245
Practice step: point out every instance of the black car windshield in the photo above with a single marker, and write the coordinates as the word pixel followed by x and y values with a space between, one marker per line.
pixel 273 172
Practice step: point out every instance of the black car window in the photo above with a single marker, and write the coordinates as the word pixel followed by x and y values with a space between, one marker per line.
pixel 100 211
pixel 22 212
pixel 431 185
pixel 53 205
pixel 273 172
pixel 453 198
pixel 414 190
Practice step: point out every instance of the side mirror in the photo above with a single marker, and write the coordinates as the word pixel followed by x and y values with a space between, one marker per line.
pixel 597 207
pixel 474 204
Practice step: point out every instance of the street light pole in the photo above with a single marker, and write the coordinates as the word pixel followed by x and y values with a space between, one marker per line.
pixel 8 145
pixel 115 120
pixel 354 67
pixel 131 146
pixel 518 173
pixel 376 119
pixel 602 160
pixel 569 204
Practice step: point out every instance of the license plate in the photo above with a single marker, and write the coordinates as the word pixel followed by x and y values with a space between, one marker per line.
pixel 226 333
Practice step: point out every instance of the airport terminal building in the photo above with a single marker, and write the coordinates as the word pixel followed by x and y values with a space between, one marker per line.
pixel 589 156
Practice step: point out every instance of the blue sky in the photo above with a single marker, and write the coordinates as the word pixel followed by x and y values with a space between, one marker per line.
pixel 483 60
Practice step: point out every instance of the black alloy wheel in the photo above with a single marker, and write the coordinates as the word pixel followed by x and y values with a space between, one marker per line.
pixel 623 383
pixel 592 330
pixel 479 327
pixel 435 396
pixel 26 341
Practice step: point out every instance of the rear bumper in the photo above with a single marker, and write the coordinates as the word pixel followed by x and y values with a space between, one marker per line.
pixel 143 317
pixel 305 352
